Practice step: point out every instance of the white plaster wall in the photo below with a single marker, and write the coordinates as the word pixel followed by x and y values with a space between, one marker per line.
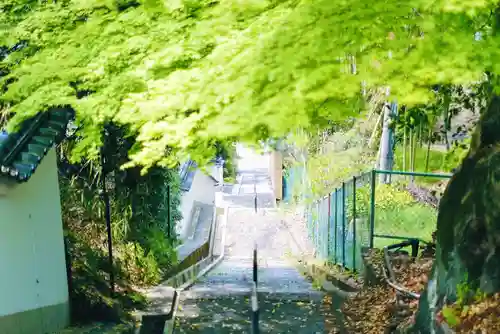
pixel 217 172
pixel 32 260
pixel 276 173
pixel 202 190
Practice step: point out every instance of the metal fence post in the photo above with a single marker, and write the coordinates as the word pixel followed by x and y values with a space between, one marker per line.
pixel 372 206
pixel 354 223
pixel 328 226
pixel 335 224
pixel 343 223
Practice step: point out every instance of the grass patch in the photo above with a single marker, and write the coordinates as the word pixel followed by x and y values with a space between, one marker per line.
pixel 415 221
pixel 436 159
pixel 397 214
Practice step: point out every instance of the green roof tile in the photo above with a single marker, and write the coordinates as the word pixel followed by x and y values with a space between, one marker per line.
pixel 22 152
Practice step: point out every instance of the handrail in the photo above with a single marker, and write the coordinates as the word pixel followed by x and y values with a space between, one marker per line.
pixel 405 173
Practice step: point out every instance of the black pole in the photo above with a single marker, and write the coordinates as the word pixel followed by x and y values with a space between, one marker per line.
pixel 168 211
pixel 255 318
pixel 107 215
pixel 255 195
pixel 255 303
pixel 255 264
pixel 254 299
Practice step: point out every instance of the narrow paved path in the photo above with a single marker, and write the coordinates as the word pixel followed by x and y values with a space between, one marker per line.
pixel 219 303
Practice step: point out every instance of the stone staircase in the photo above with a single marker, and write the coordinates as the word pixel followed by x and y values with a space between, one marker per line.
pixel 220 302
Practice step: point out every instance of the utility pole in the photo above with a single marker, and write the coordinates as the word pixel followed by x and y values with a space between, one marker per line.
pixel 387 141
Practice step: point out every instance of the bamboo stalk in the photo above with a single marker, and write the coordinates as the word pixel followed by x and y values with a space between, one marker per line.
pixel 420 139
pixel 375 130
pixel 429 141
pixel 404 147
pixel 374 102
pixel 414 149
pixel 412 153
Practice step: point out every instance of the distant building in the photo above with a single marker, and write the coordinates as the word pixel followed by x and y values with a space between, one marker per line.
pixel 198 195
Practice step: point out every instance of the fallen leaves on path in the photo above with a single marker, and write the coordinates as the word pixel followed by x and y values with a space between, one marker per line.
pixel 370 311
pixel 378 309
pixel 411 274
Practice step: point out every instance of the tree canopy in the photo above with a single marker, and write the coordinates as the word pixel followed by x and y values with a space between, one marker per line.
pixel 182 73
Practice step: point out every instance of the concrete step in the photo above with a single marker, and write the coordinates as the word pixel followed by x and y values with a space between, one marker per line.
pixel 233 315
pixel 234 276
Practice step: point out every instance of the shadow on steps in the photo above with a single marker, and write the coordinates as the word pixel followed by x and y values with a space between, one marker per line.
pixel 233 315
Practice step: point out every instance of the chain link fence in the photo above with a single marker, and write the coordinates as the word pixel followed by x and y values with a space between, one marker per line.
pixel 371 210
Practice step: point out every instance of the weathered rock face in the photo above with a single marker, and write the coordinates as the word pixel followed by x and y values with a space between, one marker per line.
pixel 468 228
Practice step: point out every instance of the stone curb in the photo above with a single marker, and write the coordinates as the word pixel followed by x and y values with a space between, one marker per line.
pixel 189 276
pixel 170 324
pixel 327 280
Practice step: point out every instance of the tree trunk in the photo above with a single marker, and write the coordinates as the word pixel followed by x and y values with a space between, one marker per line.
pixel 420 139
pixel 468 225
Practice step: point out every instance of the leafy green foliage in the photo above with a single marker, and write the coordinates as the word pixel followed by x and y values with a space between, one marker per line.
pixel 227 151
pixel 181 73
pixel 437 160
pixel 450 316
pixel 90 292
pixel 143 248
pixel 338 158
pixel 455 156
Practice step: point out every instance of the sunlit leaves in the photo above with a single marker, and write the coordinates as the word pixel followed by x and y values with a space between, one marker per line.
pixel 244 65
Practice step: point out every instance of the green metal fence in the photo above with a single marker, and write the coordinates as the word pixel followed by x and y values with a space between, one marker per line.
pixel 368 211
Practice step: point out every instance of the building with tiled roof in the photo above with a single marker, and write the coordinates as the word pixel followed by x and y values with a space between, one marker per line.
pixel 33 283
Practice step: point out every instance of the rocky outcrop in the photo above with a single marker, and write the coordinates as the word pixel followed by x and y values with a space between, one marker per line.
pixel 468 228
